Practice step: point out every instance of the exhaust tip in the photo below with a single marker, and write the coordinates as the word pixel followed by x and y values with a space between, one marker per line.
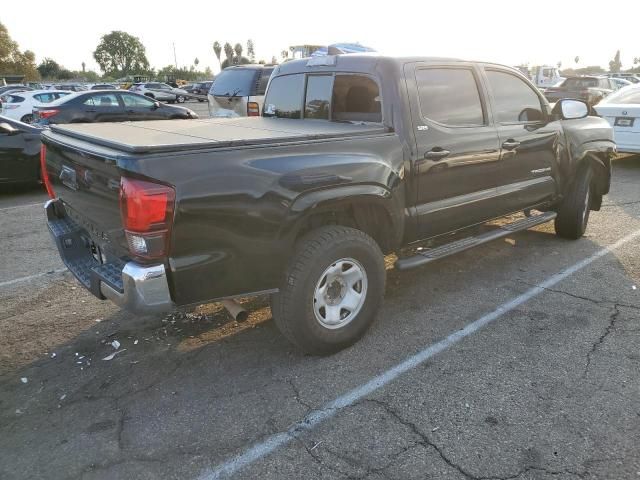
pixel 238 313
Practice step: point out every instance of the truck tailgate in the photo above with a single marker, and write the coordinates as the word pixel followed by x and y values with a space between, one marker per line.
pixel 87 180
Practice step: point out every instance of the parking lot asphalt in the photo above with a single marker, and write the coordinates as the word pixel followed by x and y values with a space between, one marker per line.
pixel 527 367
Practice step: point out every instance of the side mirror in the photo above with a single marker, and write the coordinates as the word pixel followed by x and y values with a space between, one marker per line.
pixel 572 109
pixel 156 105
pixel 8 129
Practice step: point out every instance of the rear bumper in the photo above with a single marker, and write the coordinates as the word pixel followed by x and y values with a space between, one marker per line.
pixel 138 288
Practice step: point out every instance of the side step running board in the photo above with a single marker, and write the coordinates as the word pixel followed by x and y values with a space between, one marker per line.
pixel 433 254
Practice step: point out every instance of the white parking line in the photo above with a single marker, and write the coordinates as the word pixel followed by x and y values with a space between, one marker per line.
pixel 40 204
pixel 31 277
pixel 275 441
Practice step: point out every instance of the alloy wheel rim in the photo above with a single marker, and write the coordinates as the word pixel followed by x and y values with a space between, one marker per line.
pixel 340 293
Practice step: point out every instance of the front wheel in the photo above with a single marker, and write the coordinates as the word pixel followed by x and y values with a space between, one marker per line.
pixel 27 118
pixel 332 289
pixel 180 99
pixel 573 212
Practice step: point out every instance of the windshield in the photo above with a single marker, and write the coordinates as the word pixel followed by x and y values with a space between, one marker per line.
pixel 236 82
pixel 580 83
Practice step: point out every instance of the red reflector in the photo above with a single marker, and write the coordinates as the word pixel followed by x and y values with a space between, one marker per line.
pixel 43 171
pixel 253 109
pixel 47 113
pixel 145 206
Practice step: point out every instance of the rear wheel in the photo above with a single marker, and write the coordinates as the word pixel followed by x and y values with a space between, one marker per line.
pixel 27 118
pixel 333 287
pixel 180 99
pixel 573 213
pixel 150 95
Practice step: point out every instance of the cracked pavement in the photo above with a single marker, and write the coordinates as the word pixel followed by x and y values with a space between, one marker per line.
pixel 551 390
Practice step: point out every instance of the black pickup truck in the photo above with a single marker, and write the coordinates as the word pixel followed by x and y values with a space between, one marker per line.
pixel 354 157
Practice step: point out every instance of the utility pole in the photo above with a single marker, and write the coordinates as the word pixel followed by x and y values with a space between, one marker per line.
pixel 175 59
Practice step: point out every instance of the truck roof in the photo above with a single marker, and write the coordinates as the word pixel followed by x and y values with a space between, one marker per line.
pixel 369 63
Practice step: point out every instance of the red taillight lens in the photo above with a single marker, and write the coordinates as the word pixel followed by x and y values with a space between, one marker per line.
pixel 47 113
pixel 43 171
pixel 253 109
pixel 147 216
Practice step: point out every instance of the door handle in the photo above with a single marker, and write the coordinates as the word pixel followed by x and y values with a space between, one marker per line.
pixel 510 144
pixel 436 154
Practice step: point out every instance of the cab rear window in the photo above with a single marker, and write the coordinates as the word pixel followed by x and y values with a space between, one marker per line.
pixel 334 97
pixel 234 82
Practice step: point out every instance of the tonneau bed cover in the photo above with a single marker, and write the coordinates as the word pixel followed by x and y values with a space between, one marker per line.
pixel 172 135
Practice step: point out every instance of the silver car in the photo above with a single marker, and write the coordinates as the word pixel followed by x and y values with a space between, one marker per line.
pixel 160 91
pixel 239 91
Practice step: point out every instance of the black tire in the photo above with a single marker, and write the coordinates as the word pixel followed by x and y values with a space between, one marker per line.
pixel 28 118
pixel 150 95
pixel 293 306
pixel 573 212
pixel 180 99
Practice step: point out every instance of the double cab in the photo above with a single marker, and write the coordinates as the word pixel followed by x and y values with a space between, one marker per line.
pixel 352 158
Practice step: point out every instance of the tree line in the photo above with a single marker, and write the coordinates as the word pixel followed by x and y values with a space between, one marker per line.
pixel 118 54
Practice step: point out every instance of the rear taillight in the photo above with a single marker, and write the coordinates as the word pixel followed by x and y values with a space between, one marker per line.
pixel 47 113
pixel 43 171
pixel 147 216
pixel 253 109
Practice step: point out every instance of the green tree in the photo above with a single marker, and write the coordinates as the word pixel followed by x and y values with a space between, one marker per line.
pixel 120 53
pixel 196 62
pixel 615 65
pixel 49 68
pixel 14 61
pixel 251 51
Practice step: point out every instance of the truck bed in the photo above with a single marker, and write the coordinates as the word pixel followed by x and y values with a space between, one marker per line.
pixel 175 135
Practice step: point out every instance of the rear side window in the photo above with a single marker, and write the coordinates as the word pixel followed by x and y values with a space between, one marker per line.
pixel 284 98
pixel 450 96
pixel 108 100
pixel 236 82
pixel 514 101
pixel 14 99
pixel 46 97
pixel 318 98
pixel 580 83
pixel 356 98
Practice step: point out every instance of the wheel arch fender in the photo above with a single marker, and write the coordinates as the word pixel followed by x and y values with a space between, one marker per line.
pixel 598 156
pixel 362 204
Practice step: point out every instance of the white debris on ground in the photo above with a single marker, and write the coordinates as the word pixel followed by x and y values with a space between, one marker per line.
pixel 115 344
pixel 111 357
pixel 24 379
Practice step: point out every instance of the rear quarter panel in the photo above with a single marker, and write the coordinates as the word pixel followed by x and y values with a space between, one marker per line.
pixel 237 209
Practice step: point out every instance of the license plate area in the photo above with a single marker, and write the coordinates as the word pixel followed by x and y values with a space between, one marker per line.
pixel 624 122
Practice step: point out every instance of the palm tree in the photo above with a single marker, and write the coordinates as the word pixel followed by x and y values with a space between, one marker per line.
pixel 83 66
pixel 217 49
pixel 238 49
pixel 196 62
